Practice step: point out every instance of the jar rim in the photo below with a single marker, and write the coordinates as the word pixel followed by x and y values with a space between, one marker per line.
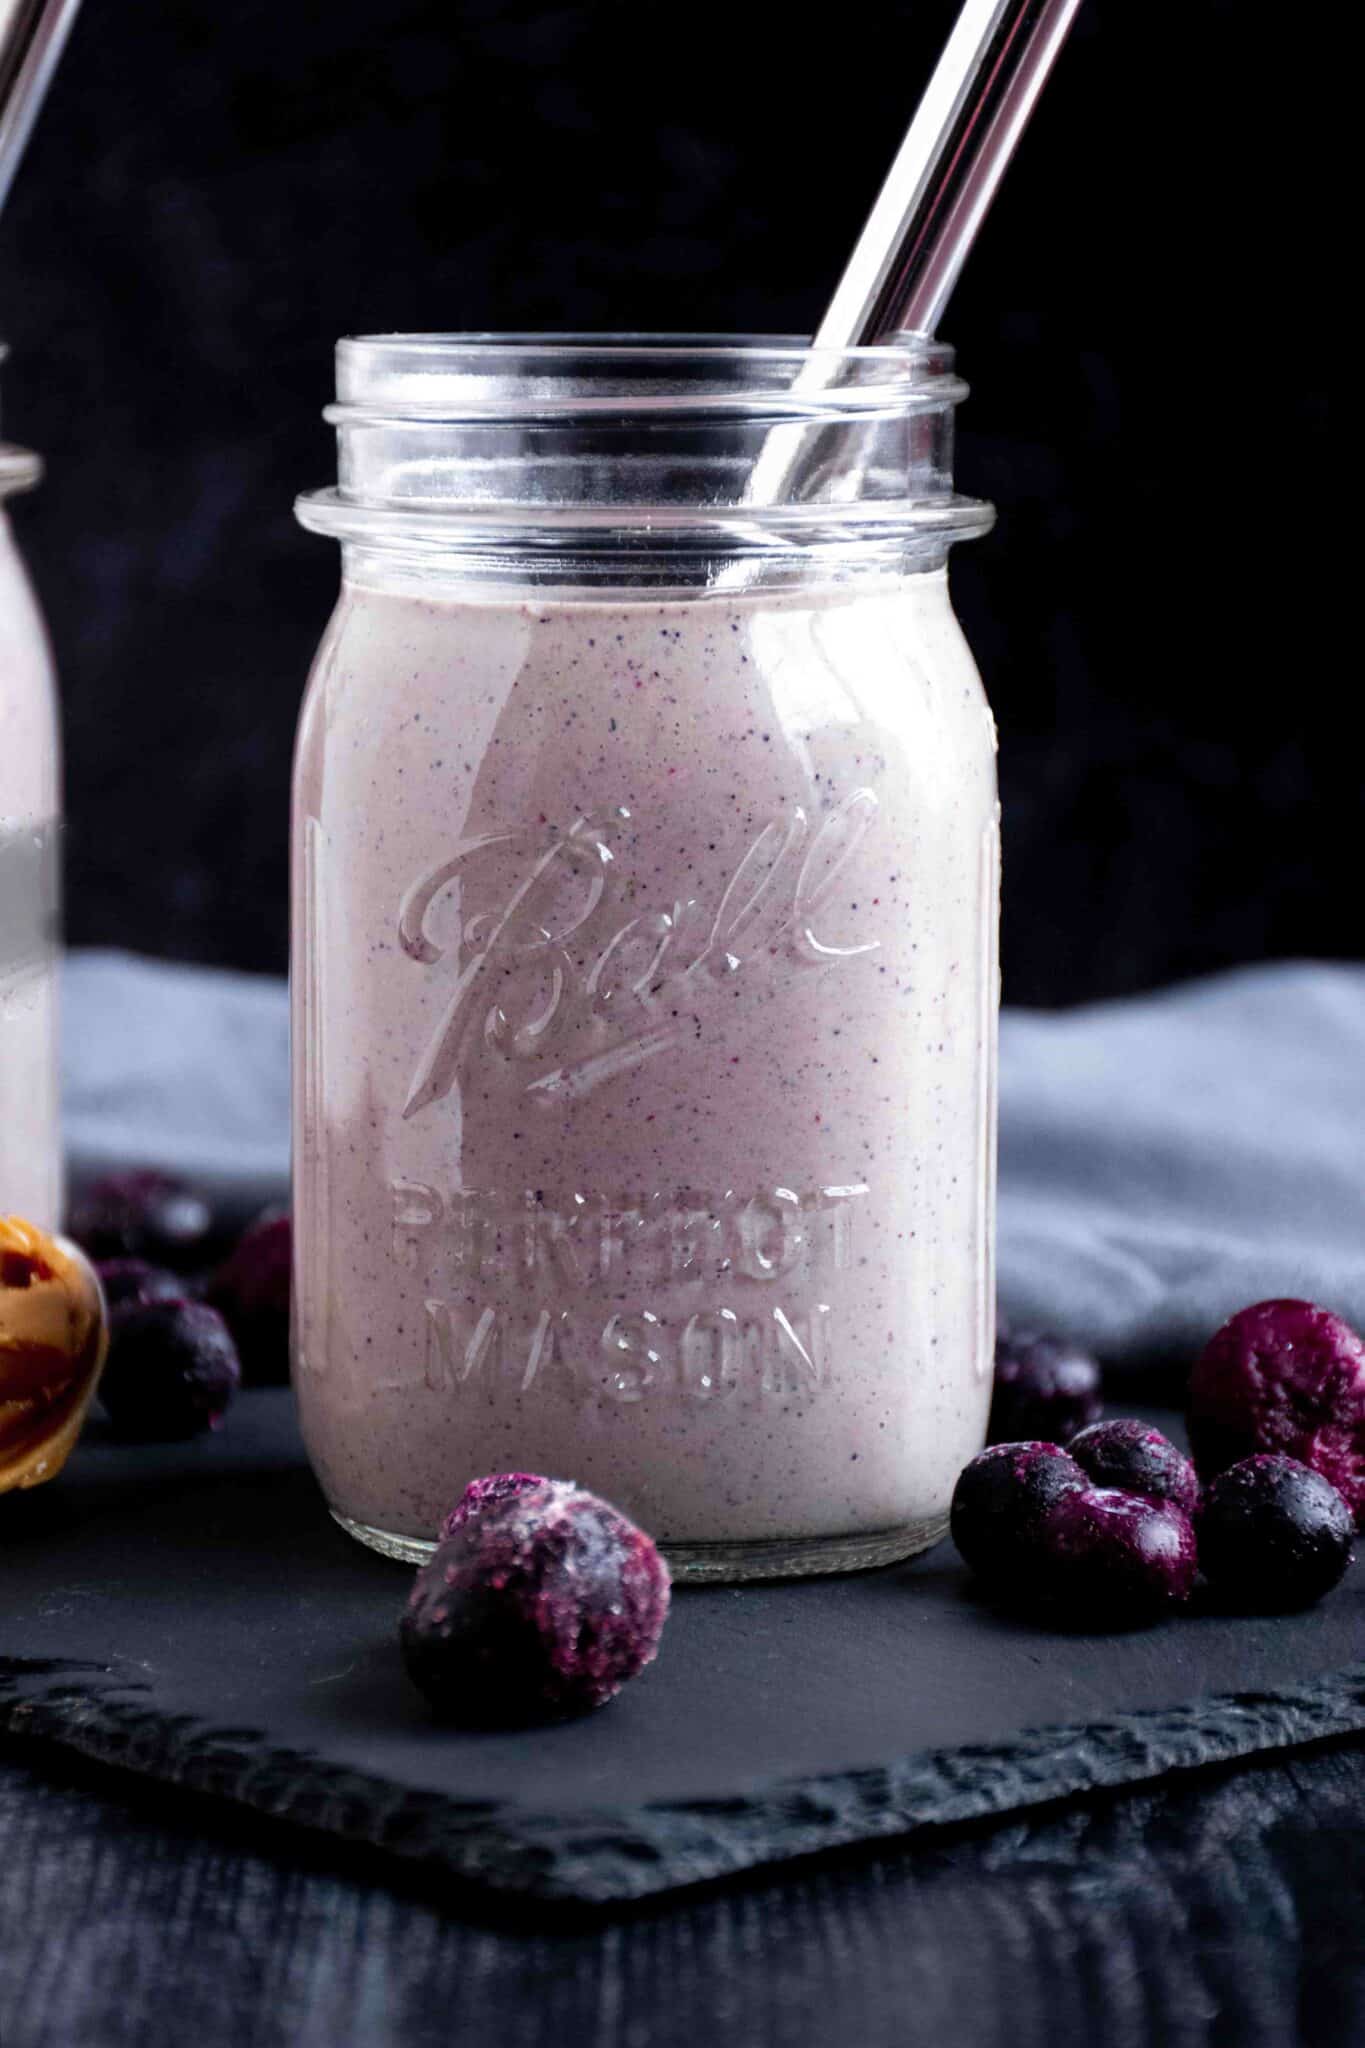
pixel 453 377
pixel 680 444
pixel 332 512
pixel 636 340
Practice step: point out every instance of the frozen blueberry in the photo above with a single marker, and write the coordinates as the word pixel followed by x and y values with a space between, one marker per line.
pixel 127 1283
pixel 1135 1458
pixel 172 1370
pixel 541 1605
pixel 1114 1559
pixel 251 1292
pixel 1283 1376
pixel 1274 1535
pixel 481 1494
pixel 143 1215
pixel 1000 1504
pixel 1044 1387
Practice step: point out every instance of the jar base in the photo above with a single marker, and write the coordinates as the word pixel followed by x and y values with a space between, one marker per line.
pixel 799 1557
pixel 720 1564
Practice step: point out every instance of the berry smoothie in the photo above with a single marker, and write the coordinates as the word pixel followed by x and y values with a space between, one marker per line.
pixel 645 998
pixel 30 1149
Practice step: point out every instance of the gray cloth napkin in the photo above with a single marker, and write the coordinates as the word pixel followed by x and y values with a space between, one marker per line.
pixel 185 1068
pixel 1162 1160
pixel 1165 1160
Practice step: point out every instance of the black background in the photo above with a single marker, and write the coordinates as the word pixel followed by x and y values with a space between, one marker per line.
pixel 215 193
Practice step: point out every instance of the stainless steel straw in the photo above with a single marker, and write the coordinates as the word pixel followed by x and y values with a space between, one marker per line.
pixel 975 107
pixel 33 35
pixel 907 259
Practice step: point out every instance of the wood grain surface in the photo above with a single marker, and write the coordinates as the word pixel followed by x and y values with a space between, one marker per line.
pixel 1225 1910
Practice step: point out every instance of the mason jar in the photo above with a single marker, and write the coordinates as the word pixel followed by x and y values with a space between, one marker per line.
pixel 30 802
pixel 645 881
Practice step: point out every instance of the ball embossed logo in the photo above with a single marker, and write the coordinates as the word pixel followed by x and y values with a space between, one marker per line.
pixel 562 978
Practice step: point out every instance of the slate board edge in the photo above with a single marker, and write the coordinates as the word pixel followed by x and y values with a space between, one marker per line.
pixel 612 1856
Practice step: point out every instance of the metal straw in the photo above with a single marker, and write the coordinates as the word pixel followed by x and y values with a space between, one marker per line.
pixel 907 259
pixel 33 35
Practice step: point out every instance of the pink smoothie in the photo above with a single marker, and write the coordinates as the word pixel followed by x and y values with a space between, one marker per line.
pixel 645 1014
pixel 30 1142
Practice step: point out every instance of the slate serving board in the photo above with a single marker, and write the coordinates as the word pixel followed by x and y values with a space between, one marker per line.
pixel 191 1612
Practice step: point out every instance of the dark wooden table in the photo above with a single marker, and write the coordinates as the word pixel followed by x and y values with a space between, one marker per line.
pixel 1222 1910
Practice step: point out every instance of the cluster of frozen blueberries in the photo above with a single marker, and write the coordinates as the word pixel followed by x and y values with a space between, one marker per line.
pixel 542 1600
pixel 193 1311
pixel 1077 1521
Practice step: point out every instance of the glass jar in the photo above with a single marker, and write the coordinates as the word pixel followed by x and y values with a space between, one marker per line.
pixel 645 884
pixel 30 802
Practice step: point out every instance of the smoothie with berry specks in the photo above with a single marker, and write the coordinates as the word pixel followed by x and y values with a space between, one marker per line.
pixel 645 998
pixel 30 1146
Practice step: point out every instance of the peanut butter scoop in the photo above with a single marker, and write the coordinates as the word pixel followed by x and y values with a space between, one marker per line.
pixel 53 1339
